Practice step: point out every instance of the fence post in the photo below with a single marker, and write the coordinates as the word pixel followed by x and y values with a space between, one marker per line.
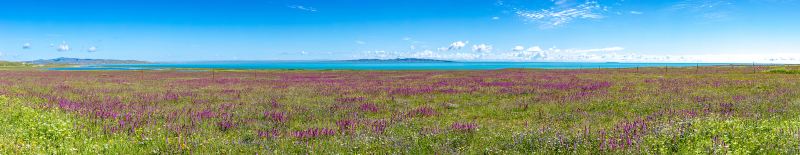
pixel 698 69
pixel 213 75
pixel 732 69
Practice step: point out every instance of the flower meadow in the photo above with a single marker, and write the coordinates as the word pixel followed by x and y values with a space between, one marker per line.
pixel 692 110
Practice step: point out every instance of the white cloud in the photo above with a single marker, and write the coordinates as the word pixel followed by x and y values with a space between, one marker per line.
pixel 63 47
pixel 563 14
pixel 380 54
pixel 485 52
pixel 555 54
pixel 428 54
pixel 636 12
pixel 495 18
pixel 303 52
pixel 608 54
pixel 26 46
pixel 518 48
pixel 92 49
pixel 457 45
pixel 482 52
pixel 304 8
pixel 482 48
pixel 608 49
pixel 534 49
pixel 360 42
pixel 444 56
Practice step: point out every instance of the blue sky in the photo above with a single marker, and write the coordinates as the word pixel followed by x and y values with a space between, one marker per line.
pixel 469 30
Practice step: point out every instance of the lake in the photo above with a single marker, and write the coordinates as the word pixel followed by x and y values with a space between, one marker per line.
pixel 337 65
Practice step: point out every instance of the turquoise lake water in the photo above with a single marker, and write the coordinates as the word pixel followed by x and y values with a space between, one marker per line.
pixel 305 65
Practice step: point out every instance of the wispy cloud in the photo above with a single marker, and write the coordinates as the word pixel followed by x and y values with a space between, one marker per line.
pixel 92 49
pixel 699 5
pixel 563 13
pixel 303 8
pixel 706 9
pixel 412 41
pixel 360 42
pixel 636 12
pixel 26 46
pixel 560 2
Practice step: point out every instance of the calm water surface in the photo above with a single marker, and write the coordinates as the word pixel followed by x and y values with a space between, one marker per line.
pixel 379 65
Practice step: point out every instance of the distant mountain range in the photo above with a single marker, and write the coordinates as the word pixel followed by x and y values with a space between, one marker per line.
pixel 77 61
pixel 398 60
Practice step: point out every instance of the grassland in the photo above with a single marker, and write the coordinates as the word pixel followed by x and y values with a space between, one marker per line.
pixel 16 66
pixel 713 110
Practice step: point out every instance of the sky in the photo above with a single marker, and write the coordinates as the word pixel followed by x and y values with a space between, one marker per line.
pixel 764 31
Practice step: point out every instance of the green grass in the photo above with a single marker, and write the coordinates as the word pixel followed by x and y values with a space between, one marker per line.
pixel 783 71
pixel 717 135
pixel 8 64
pixel 24 130
pixel 743 113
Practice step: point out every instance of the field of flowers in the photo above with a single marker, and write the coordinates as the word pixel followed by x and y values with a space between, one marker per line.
pixel 730 110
